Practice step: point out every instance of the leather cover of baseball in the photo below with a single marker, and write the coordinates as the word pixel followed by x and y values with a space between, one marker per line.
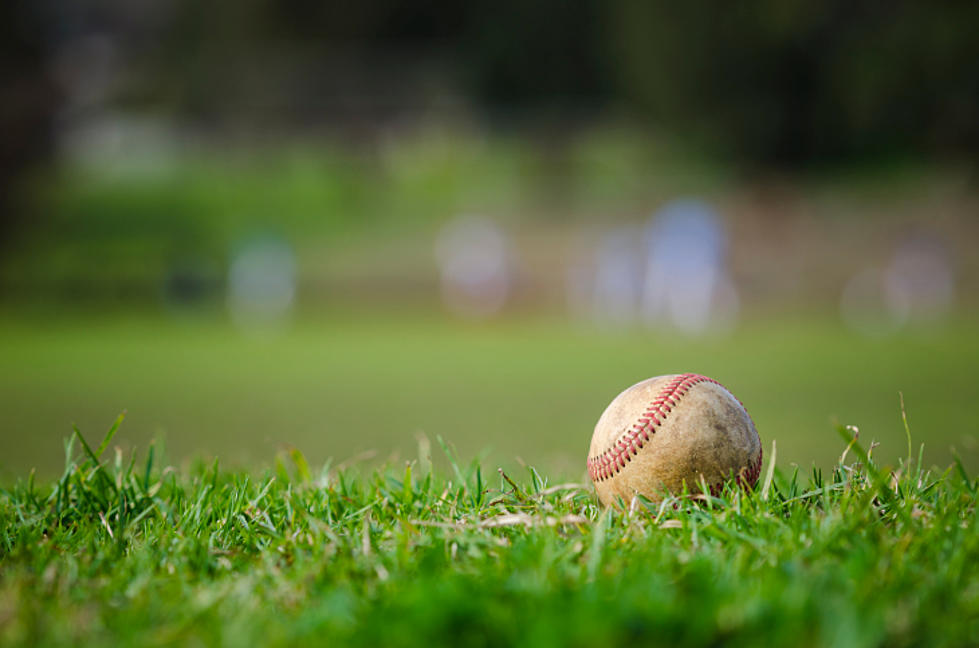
pixel 670 430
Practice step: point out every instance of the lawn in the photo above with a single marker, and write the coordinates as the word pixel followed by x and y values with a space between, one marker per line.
pixel 343 387
pixel 122 550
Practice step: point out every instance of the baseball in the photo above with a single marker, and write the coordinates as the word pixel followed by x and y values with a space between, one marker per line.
pixel 668 431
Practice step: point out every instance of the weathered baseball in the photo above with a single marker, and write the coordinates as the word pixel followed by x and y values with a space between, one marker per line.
pixel 670 430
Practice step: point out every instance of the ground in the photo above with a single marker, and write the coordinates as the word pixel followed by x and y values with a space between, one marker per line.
pixel 125 551
pixel 341 385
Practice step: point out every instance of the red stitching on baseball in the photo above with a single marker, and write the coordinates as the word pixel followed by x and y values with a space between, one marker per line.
pixel 610 462
pixel 747 477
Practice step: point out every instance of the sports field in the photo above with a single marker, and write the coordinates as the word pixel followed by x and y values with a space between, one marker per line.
pixel 338 481
pixel 362 387
pixel 308 312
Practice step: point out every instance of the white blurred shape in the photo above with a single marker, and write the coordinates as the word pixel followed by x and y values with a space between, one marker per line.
pixel 122 146
pixel 919 281
pixel 686 282
pixel 473 261
pixel 578 286
pixel 617 272
pixel 916 286
pixel 262 284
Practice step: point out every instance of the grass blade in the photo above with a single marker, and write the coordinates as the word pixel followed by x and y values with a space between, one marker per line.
pixel 302 466
pixel 907 428
pixel 111 433
pixel 87 448
pixel 597 544
pixel 452 461
pixel 769 474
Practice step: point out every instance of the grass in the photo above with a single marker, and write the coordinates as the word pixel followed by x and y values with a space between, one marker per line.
pixel 127 551
pixel 342 385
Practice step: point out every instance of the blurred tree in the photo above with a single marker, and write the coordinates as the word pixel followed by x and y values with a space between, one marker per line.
pixel 794 82
pixel 28 101
pixel 124 83
pixel 774 82
pixel 527 55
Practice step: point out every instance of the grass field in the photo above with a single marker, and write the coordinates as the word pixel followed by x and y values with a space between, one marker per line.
pixel 340 386
pixel 118 551
pixel 295 489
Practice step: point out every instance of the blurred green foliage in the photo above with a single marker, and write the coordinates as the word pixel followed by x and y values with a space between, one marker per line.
pixel 407 114
pixel 795 84
pixel 774 84
pixel 783 84
pixel 123 229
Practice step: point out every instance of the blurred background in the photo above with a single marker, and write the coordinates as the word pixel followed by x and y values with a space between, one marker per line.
pixel 351 227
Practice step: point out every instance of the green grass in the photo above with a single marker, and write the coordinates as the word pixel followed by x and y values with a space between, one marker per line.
pixel 341 385
pixel 125 551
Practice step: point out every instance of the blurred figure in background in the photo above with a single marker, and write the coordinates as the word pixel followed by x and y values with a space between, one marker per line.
pixel 262 284
pixel 617 277
pixel 687 284
pixel 916 286
pixel 919 281
pixel 473 261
